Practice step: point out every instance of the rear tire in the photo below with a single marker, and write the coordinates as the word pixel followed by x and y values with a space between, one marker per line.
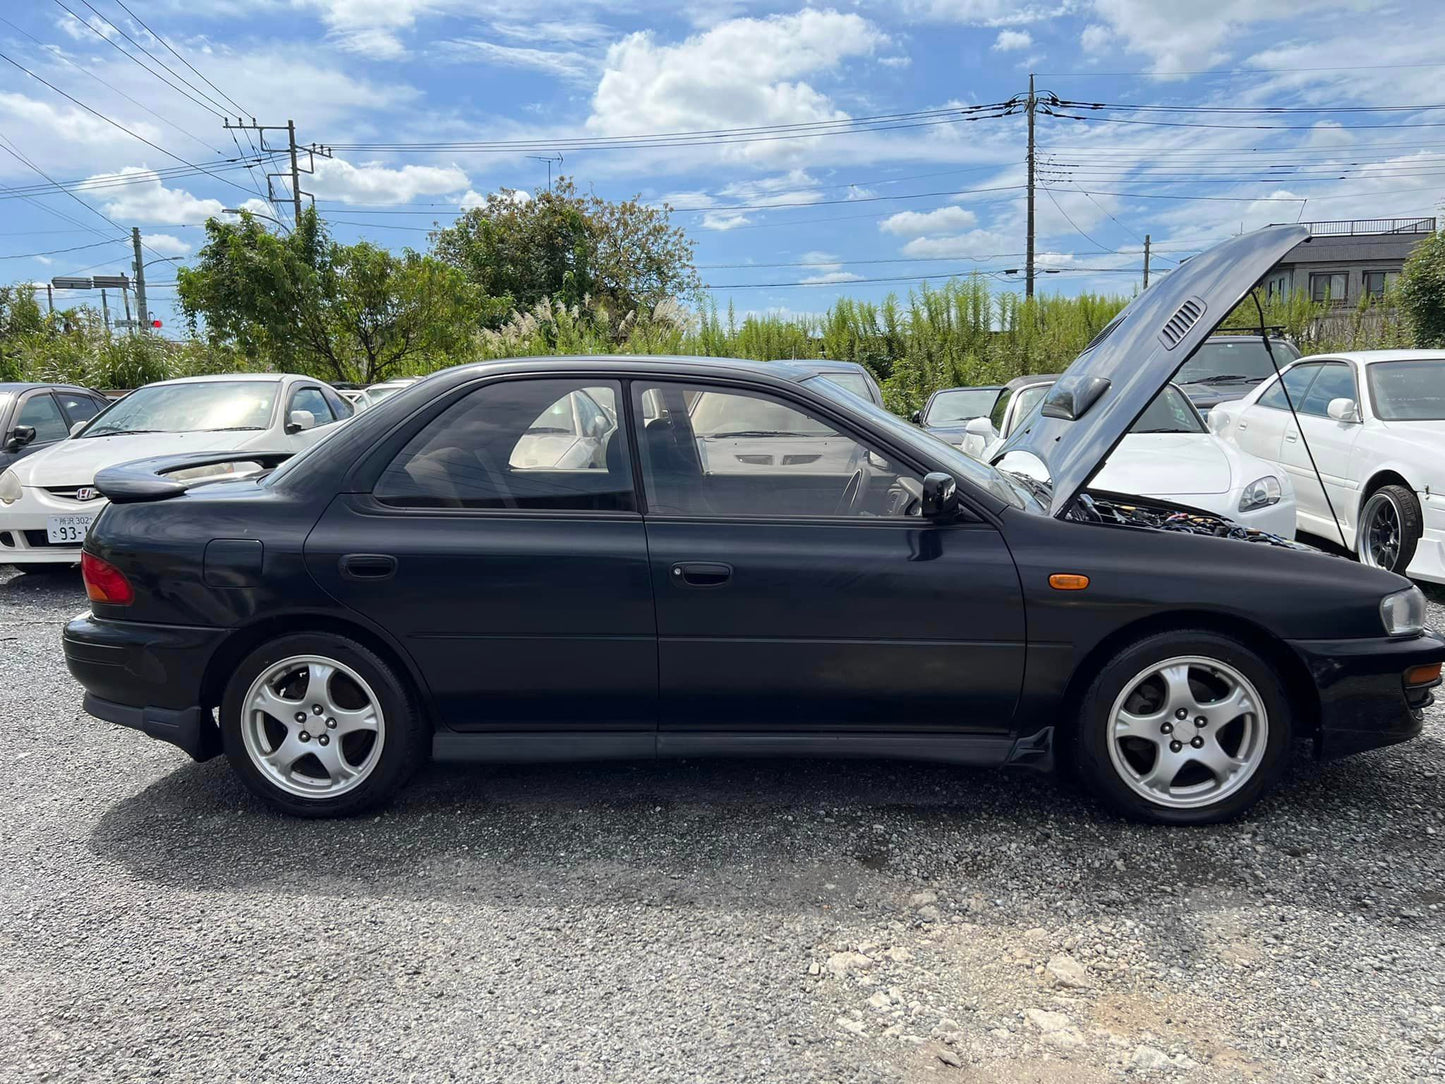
pixel 1143 749
pixel 318 725
pixel 1389 529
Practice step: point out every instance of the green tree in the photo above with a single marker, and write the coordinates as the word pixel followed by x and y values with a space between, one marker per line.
pixel 1421 291
pixel 568 248
pixel 302 302
pixel 20 323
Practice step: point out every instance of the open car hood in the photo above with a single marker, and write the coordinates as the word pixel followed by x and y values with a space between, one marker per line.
pixel 1100 396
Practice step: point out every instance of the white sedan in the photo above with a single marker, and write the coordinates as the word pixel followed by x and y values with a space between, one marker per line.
pixel 1375 423
pixel 48 500
pixel 1169 454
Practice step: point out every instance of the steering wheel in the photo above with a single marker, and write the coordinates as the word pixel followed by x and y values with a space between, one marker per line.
pixel 852 498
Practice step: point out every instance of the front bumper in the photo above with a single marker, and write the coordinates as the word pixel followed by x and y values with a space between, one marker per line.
pixel 1364 702
pixel 23 528
pixel 148 677
pixel 1428 564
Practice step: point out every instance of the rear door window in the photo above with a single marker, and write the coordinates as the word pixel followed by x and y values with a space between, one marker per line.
pixel 1296 382
pixel 1335 381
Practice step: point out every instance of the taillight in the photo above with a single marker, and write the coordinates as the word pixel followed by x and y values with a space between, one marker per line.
pixel 104 582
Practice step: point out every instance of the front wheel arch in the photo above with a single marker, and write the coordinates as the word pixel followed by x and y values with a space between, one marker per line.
pixel 1299 686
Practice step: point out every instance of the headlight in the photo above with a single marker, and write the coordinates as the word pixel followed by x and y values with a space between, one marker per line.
pixel 10 489
pixel 1403 613
pixel 1260 493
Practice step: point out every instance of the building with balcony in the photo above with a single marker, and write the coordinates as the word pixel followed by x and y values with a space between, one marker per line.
pixel 1345 261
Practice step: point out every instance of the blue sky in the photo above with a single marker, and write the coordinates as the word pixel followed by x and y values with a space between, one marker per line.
pixel 914 201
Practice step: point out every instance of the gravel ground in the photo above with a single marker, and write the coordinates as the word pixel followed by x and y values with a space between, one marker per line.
pixel 696 921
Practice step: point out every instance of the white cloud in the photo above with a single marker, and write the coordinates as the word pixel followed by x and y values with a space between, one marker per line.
pixel 574 31
pixel 1011 40
pixel 144 198
pixel 38 124
pixel 918 223
pixel 828 269
pixel 372 182
pixel 724 220
pixel 1095 38
pixel 988 12
pixel 830 276
pixel 903 60
pixel 972 244
pixel 742 72
pixel 165 244
pixel 370 28
pixel 565 65
pixel 473 198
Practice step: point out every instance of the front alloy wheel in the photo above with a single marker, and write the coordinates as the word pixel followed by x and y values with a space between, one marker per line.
pixel 1186 727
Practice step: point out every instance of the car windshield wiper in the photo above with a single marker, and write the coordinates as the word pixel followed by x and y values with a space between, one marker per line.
pixel 1225 378
pixel 1040 491
pixel 123 432
pixel 760 433
pixel 232 429
pixel 1163 429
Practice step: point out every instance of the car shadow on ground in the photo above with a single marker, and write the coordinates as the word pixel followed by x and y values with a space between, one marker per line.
pixel 763 834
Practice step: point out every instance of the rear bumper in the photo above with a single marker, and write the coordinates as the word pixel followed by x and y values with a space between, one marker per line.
pixel 148 677
pixel 1364 702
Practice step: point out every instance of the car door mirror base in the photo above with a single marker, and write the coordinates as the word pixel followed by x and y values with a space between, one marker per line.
pixel 940 496
pixel 19 437
pixel 1343 410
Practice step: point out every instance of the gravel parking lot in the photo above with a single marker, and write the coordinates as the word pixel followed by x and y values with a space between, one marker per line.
pixel 697 921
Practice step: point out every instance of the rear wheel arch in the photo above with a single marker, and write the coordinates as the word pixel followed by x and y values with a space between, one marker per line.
pixel 1299 686
pixel 244 640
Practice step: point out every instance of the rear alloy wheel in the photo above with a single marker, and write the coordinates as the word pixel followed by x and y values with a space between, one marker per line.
pixel 318 725
pixel 1184 728
pixel 1389 529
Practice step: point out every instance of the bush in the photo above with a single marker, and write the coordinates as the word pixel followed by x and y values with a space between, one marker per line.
pixel 1421 292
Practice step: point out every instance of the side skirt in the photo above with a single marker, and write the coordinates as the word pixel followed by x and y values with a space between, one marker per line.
pixel 984 750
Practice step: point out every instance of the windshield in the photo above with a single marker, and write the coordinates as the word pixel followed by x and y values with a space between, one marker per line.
pixel 1169 412
pixel 1027 399
pixel 185 408
pixel 857 383
pixel 1239 361
pixel 963 467
pixel 380 391
pixel 1408 391
pixel 959 405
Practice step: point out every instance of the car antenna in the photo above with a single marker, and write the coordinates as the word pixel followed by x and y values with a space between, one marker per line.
pixel 1264 334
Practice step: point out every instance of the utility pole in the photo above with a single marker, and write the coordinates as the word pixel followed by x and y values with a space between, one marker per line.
pixel 125 298
pixel 293 150
pixel 549 159
pixel 141 312
pixel 1029 257
pixel 1146 261
pixel 105 313
pixel 50 298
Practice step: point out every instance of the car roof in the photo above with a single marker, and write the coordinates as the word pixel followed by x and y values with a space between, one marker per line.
pixel 229 378
pixel 678 365
pixel 1369 357
pixel 30 385
pixel 1033 378
pixel 970 387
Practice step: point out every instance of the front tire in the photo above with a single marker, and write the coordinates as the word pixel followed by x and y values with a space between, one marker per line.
pixel 1389 530
pixel 318 725
pixel 1183 728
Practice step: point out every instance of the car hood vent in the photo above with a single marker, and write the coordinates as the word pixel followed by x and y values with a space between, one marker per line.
pixel 1178 325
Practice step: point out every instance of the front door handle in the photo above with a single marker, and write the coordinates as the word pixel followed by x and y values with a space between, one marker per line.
pixel 701 574
pixel 1291 438
pixel 368 566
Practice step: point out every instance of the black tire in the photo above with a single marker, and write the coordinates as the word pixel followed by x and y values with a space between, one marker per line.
pixel 1407 510
pixel 1095 726
pixel 405 745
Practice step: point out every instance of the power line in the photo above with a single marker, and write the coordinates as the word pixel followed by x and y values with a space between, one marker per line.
pixel 1144 73
pixel 57 251
pixel 212 103
pixel 1048 192
pixel 920 278
pixel 1287 109
pixel 1253 127
pixel 117 124
pixel 178 56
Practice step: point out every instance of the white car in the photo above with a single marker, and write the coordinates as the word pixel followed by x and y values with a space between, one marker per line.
pixel 1375 423
pixel 1169 454
pixel 48 500
pixel 377 392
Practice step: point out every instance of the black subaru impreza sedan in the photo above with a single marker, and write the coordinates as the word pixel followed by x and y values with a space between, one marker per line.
pixel 566 558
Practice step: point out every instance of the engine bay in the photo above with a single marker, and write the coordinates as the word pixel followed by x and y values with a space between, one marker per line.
pixel 1123 511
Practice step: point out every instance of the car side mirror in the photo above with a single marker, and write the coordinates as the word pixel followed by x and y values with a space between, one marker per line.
pixel 979 427
pixel 916 417
pixel 20 436
pixel 300 420
pixel 1343 410
pixel 940 496
pixel 77 427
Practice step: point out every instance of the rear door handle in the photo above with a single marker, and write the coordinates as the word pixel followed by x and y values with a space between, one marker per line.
pixel 1291 437
pixel 1242 425
pixel 368 566
pixel 701 574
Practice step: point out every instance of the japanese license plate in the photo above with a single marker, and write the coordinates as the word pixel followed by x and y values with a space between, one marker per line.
pixel 68 530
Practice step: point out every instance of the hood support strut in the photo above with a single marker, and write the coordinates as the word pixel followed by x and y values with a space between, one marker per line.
pixel 1264 334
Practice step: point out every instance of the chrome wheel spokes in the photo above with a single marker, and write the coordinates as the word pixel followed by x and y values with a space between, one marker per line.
pixel 1187 732
pixel 312 726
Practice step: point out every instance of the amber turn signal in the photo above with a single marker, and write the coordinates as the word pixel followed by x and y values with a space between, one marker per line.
pixel 1068 581
pixel 1423 675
